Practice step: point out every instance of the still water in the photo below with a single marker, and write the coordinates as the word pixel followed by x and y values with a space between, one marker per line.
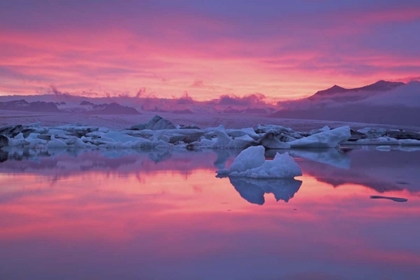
pixel 109 215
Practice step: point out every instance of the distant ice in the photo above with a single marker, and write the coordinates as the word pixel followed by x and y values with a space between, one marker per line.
pixel 159 133
pixel 323 139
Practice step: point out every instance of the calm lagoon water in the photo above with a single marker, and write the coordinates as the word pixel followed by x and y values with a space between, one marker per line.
pixel 108 215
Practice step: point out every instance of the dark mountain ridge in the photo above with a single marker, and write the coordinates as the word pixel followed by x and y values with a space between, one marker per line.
pixel 375 87
pixel 23 105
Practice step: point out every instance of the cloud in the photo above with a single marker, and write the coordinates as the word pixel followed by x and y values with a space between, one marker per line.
pixel 52 89
pixel 185 99
pixel 197 84
pixel 289 53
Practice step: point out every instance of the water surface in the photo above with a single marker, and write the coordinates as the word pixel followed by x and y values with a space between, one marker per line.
pixel 164 215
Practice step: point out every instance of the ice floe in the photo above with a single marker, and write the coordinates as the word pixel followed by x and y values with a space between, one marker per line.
pixel 323 139
pixel 160 133
pixel 251 163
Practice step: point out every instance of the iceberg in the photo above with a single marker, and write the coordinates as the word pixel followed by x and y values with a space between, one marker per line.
pixel 270 141
pixel 326 139
pixel 222 138
pixel 156 123
pixel 55 143
pixel 248 159
pixel 251 163
pixel 224 141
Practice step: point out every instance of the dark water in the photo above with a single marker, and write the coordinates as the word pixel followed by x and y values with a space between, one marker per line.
pixel 109 215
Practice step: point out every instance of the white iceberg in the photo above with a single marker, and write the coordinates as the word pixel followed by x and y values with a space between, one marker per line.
pixel 248 159
pixel 224 141
pixel 270 141
pixel 222 138
pixel 327 139
pixel 55 143
pixel 251 163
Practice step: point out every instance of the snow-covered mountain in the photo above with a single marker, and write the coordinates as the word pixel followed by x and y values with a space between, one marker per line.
pixel 338 93
pixel 382 102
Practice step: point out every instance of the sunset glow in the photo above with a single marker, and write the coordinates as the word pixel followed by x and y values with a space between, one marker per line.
pixel 281 49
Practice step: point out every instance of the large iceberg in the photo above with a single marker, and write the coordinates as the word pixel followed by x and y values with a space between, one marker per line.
pixel 251 163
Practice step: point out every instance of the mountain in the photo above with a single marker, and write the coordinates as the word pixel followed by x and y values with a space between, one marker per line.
pixel 353 94
pixel 381 103
pixel 23 105
pixel 84 107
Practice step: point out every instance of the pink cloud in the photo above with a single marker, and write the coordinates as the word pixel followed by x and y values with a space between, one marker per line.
pixel 121 58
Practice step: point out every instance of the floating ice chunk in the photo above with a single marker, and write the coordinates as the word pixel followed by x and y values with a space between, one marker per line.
pixel 222 138
pixel 270 127
pixel 35 141
pixel 251 163
pixel 384 148
pixel 55 143
pixel 378 141
pixel 243 131
pixel 79 143
pixel 270 141
pixel 19 136
pixel 323 129
pixel 248 159
pixel 156 123
pixel 145 144
pixel 282 166
pixel 327 139
pixel 409 142
pixel 373 132
pixel 115 136
pixel 241 142
pixel 18 142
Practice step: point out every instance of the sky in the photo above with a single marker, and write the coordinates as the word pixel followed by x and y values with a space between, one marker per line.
pixel 205 48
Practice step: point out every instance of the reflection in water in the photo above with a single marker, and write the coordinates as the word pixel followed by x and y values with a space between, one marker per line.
pixel 164 215
pixel 332 157
pixel 396 199
pixel 382 172
pixel 253 190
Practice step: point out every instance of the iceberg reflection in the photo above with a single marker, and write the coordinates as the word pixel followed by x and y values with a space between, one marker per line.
pixel 253 190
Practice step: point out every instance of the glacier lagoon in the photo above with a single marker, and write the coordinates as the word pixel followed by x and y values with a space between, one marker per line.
pixel 165 215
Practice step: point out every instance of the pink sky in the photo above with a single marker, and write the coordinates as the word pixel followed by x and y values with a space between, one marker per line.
pixel 283 50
